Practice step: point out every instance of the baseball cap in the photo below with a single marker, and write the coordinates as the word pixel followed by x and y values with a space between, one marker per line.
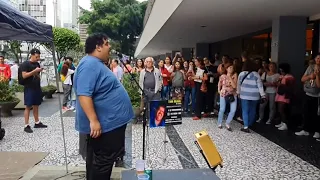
pixel 35 51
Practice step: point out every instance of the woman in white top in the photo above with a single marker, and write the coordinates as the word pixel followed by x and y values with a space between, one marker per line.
pixel 168 65
pixel 270 82
pixel 66 73
pixel 200 78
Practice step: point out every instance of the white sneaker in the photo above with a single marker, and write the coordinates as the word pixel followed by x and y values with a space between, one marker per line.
pixel 302 133
pixel 259 120
pixel 269 121
pixel 283 127
pixel 239 119
pixel 279 125
pixel 316 135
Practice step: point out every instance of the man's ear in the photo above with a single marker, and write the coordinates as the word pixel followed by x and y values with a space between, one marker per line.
pixel 98 48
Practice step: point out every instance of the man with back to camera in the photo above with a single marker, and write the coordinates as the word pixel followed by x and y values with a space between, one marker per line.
pixel 103 108
pixel 30 75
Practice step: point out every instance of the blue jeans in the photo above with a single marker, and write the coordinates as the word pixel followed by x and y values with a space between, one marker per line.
pixel 188 92
pixel 164 92
pixel 249 109
pixel 223 105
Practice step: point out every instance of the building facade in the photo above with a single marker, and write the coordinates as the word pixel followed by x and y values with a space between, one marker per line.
pixel 14 3
pixel 70 15
pixel 35 8
pixel 83 28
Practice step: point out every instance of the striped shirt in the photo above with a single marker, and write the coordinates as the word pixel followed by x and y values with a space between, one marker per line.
pixel 251 88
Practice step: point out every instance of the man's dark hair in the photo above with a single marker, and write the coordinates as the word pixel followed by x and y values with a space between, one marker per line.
pixel 94 40
pixel 35 51
pixel 1 56
pixel 69 58
pixel 249 66
pixel 116 61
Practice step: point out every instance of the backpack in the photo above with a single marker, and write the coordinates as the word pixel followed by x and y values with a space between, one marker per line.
pixel 21 80
pixel 178 80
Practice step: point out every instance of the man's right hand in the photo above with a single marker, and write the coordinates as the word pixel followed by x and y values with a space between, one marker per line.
pixel 95 129
pixel 37 70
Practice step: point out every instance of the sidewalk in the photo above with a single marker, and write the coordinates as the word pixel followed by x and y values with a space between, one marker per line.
pixel 55 172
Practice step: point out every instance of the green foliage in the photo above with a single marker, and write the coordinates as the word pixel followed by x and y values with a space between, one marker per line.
pixel 64 41
pixel 77 53
pixel 14 48
pixel 6 93
pixel 49 88
pixel 16 87
pixel 132 88
pixel 121 20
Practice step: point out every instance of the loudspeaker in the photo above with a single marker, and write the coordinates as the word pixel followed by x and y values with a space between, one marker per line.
pixel 208 150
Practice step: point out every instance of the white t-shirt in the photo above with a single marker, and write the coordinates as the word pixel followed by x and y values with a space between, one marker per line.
pixel 68 79
pixel 270 79
pixel 199 73
pixel 169 68
pixel 14 71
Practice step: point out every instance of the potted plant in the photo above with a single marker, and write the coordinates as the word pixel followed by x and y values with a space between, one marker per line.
pixel 133 91
pixel 19 92
pixel 8 99
pixel 48 91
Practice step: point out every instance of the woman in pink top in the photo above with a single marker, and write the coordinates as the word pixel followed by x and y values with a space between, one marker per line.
pixel 227 89
pixel 284 94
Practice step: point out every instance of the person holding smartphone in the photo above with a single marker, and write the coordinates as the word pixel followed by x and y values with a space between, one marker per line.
pixel 29 76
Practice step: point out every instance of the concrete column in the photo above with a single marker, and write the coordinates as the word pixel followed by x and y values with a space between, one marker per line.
pixel 289 43
pixel 202 50
pixel 186 53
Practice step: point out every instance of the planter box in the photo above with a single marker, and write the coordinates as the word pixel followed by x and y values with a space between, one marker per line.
pixel 20 96
pixel 6 108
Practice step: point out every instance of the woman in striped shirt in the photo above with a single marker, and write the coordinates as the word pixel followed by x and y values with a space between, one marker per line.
pixel 250 90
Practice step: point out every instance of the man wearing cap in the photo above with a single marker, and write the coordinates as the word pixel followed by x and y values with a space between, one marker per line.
pixel 30 74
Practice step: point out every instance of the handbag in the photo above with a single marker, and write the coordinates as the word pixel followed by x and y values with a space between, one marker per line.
pixel 229 98
pixel 309 86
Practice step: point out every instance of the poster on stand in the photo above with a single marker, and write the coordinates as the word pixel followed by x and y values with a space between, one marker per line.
pixel 158 112
pixel 174 111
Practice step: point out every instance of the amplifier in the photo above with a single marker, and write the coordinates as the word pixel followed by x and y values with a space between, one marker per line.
pixel 208 149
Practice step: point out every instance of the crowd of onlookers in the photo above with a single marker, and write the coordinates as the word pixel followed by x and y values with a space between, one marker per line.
pixel 234 88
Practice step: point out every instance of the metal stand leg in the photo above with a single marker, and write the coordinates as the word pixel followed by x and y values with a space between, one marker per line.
pixel 165 153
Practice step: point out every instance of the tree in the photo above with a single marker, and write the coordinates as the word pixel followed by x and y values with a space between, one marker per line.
pixel 77 53
pixel 121 20
pixel 64 41
pixel 31 45
pixel 15 48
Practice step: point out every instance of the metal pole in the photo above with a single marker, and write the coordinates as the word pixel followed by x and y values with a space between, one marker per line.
pixel 60 106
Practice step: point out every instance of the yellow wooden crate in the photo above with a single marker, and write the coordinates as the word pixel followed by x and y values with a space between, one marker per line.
pixel 209 149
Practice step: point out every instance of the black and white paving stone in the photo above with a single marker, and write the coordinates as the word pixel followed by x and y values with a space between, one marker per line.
pixel 246 156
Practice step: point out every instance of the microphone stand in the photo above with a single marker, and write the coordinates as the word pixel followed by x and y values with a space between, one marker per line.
pixel 144 118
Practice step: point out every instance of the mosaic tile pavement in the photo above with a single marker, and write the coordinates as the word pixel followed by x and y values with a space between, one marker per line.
pixel 246 156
